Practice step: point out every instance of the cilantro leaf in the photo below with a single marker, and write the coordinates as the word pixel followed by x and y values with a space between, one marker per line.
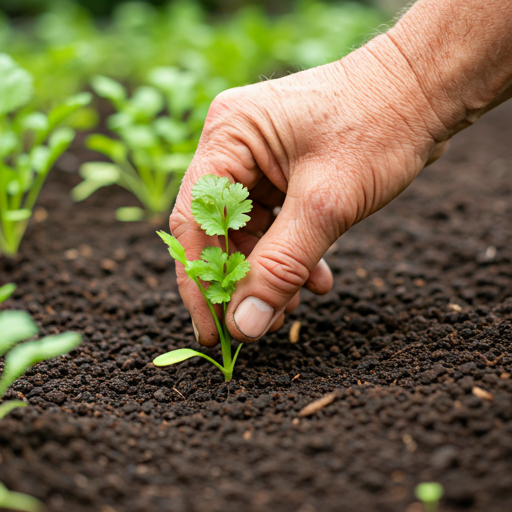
pixel 208 205
pixel 208 216
pixel 195 268
pixel 176 250
pixel 215 260
pixel 236 268
pixel 236 202
pixel 218 205
pixel 216 294
pixel 209 186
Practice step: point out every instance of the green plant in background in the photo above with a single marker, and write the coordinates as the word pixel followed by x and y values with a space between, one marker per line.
pixel 18 501
pixel 152 150
pixel 217 206
pixel 64 46
pixel 429 493
pixel 30 143
pixel 16 326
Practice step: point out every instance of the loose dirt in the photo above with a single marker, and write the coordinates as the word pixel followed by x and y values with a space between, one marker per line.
pixel 410 356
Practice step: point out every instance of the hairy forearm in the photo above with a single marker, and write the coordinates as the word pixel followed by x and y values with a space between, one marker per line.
pixel 460 52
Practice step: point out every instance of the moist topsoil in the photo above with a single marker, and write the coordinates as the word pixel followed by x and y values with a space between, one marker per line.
pixel 413 343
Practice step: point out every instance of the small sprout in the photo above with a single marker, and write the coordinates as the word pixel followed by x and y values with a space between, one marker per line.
pixel 18 501
pixel 429 493
pixel 218 206
pixel 151 150
pixel 6 291
pixel 16 326
pixel 30 143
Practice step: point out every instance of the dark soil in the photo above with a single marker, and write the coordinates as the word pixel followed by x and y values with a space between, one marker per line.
pixel 421 314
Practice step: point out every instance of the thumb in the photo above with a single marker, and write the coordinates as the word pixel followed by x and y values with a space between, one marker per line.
pixel 281 263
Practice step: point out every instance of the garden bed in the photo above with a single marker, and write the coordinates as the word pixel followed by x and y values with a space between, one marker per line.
pixel 414 342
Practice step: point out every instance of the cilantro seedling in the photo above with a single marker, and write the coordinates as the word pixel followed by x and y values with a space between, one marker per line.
pixel 16 326
pixel 217 206
pixel 152 150
pixel 429 493
pixel 18 501
pixel 30 143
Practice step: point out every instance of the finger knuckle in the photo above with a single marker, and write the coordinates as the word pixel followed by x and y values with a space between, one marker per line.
pixel 177 220
pixel 283 272
pixel 222 106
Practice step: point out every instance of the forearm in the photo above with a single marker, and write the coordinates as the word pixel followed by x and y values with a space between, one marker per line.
pixel 460 52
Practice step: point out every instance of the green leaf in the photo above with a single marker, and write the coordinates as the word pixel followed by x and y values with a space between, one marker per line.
pixel 27 354
pixel 19 501
pixel 208 215
pixel 178 86
pixel 6 291
pixel 58 142
pixel 139 136
pixel 215 259
pixel 8 142
pixel 7 407
pixel 114 149
pixel 15 326
pixel 236 268
pixel 237 205
pixel 40 158
pixel 170 130
pixel 130 214
pixel 216 294
pixel 219 205
pixel 429 492
pixel 17 215
pixel 176 356
pixel 196 267
pixel 176 250
pixel 146 102
pixel 175 162
pixel 13 187
pixel 70 105
pixel 36 121
pixel 208 205
pixel 110 89
pixel 117 122
pixel 96 175
pixel 60 139
pixel 209 186
pixel 16 86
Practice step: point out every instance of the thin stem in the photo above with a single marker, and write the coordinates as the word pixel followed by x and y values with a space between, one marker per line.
pixel 226 346
pixel 221 368
pixel 6 224
pixel 216 319
pixel 225 341
pixel 35 188
pixel 236 355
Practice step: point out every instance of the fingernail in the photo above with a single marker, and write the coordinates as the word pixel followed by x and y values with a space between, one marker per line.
pixel 196 332
pixel 253 316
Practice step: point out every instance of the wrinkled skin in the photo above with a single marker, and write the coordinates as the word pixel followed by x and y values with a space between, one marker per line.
pixel 331 146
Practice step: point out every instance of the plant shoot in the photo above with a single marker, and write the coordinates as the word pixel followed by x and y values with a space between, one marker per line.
pixel 217 206
pixel 30 143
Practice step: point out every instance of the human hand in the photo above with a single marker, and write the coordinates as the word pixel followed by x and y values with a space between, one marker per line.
pixel 331 146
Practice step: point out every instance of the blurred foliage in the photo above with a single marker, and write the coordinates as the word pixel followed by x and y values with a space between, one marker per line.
pixel 157 132
pixel 30 143
pixel 64 46
pixel 103 8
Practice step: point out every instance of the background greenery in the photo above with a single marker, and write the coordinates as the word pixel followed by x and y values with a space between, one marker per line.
pixel 222 43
